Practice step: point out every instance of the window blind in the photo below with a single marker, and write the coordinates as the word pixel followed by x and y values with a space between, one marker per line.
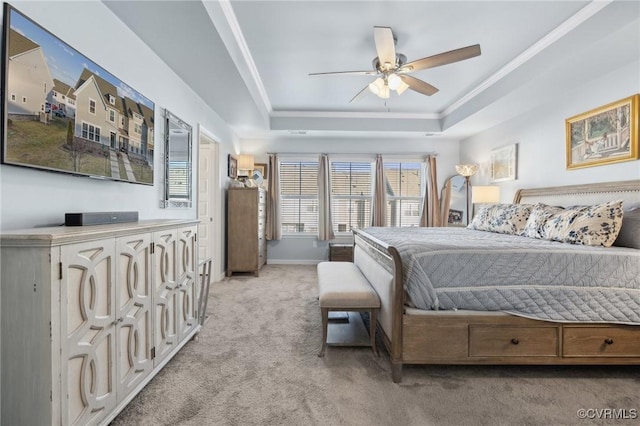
pixel 351 189
pixel 404 193
pixel 299 196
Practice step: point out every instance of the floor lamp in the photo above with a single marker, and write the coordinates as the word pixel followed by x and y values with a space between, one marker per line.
pixel 467 170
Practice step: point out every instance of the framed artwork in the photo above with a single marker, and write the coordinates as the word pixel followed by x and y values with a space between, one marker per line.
pixel 604 135
pixel 65 113
pixel 262 168
pixel 232 167
pixel 504 163
pixel 455 217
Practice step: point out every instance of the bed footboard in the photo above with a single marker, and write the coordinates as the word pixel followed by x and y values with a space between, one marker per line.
pixel 381 265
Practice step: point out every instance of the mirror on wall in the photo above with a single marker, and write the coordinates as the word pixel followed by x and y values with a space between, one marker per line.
pixel 177 162
pixel 454 199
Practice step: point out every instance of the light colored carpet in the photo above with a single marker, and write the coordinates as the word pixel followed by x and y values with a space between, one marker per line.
pixel 256 364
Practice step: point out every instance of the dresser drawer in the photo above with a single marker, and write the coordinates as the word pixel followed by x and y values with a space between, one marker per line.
pixel 600 341
pixel 490 341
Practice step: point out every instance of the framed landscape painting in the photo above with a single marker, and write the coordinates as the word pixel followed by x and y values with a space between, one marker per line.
pixel 504 163
pixel 604 135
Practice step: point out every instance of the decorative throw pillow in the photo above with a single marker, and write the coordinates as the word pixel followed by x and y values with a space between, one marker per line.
pixel 596 225
pixel 502 218
pixel 534 228
pixel 629 235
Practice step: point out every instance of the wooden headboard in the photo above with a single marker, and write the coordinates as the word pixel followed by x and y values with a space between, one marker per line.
pixel 586 194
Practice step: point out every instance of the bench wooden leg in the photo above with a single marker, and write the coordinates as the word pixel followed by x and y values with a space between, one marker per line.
pixel 372 330
pixel 325 324
pixel 396 372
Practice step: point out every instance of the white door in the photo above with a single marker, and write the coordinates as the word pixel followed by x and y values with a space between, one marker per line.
pixel 209 235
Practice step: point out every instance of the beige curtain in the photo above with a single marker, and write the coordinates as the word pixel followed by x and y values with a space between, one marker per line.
pixel 379 211
pixel 445 203
pixel 274 213
pixel 430 215
pixel 325 227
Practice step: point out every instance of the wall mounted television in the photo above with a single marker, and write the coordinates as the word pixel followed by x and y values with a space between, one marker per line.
pixel 64 113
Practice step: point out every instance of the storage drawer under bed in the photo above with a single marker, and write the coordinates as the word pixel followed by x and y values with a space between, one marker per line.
pixel 623 341
pixel 508 341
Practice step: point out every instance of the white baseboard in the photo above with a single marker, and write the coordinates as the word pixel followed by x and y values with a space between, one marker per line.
pixel 294 261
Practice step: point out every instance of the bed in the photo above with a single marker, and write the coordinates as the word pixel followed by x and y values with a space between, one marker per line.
pixel 461 325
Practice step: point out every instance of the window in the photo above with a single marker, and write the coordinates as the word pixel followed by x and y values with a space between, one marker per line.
pixel 112 116
pixel 137 128
pixel 299 192
pixel 351 195
pixel 112 100
pixel 404 193
pixel 24 99
pixel 178 179
pixel 13 97
pixel 92 106
pixel 90 132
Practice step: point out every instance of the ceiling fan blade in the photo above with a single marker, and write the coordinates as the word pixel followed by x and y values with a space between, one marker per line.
pixel 442 59
pixel 385 46
pixel 418 85
pixel 372 72
pixel 360 94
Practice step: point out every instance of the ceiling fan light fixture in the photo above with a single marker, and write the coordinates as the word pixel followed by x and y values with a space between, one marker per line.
pixel 384 92
pixel 402 87
pixel 377 86
pixel 394 81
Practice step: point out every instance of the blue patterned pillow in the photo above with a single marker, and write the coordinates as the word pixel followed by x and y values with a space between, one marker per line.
pixel 596 225
pixel 540 212
pixel 502 218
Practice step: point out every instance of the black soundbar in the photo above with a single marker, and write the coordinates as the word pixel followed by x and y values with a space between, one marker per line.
pixel 99 218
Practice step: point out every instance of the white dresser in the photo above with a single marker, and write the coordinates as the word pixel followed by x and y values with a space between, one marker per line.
pixel 90 314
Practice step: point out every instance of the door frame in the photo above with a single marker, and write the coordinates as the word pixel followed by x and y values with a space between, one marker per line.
pixel 207 137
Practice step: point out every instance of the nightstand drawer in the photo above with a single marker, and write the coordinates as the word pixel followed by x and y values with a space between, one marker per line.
pixel 508 341
pixel 600 341
pixel 341 252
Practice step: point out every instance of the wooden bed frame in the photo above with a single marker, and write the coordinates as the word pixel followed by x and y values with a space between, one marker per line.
pixel 471 337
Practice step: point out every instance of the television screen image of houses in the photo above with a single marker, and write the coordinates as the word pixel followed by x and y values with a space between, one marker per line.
pixel 65 113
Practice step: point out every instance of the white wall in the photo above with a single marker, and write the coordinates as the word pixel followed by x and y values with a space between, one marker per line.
pixel 306 248
pixel 32 197
pixel 540 135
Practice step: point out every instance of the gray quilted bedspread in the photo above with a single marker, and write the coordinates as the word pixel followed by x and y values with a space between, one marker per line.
pixel 458 268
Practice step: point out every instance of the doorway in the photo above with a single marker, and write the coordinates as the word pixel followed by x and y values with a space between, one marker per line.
pixel 209 202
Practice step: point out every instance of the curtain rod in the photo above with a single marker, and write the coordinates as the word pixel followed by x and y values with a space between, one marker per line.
pixel 352 153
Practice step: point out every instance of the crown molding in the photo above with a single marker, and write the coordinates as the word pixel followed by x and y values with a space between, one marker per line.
pixel 355 114
pixel 234 26
pixel 560 31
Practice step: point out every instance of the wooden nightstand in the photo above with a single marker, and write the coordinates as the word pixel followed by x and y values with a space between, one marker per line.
pixel 340 252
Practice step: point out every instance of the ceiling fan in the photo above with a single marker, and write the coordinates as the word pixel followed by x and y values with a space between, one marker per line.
pixel 392 68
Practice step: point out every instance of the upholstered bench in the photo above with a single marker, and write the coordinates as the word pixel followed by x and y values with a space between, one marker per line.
pixel 342 287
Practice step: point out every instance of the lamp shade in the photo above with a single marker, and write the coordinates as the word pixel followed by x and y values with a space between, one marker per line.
pixel 467 170
pixel 245 162
pixel 485 194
